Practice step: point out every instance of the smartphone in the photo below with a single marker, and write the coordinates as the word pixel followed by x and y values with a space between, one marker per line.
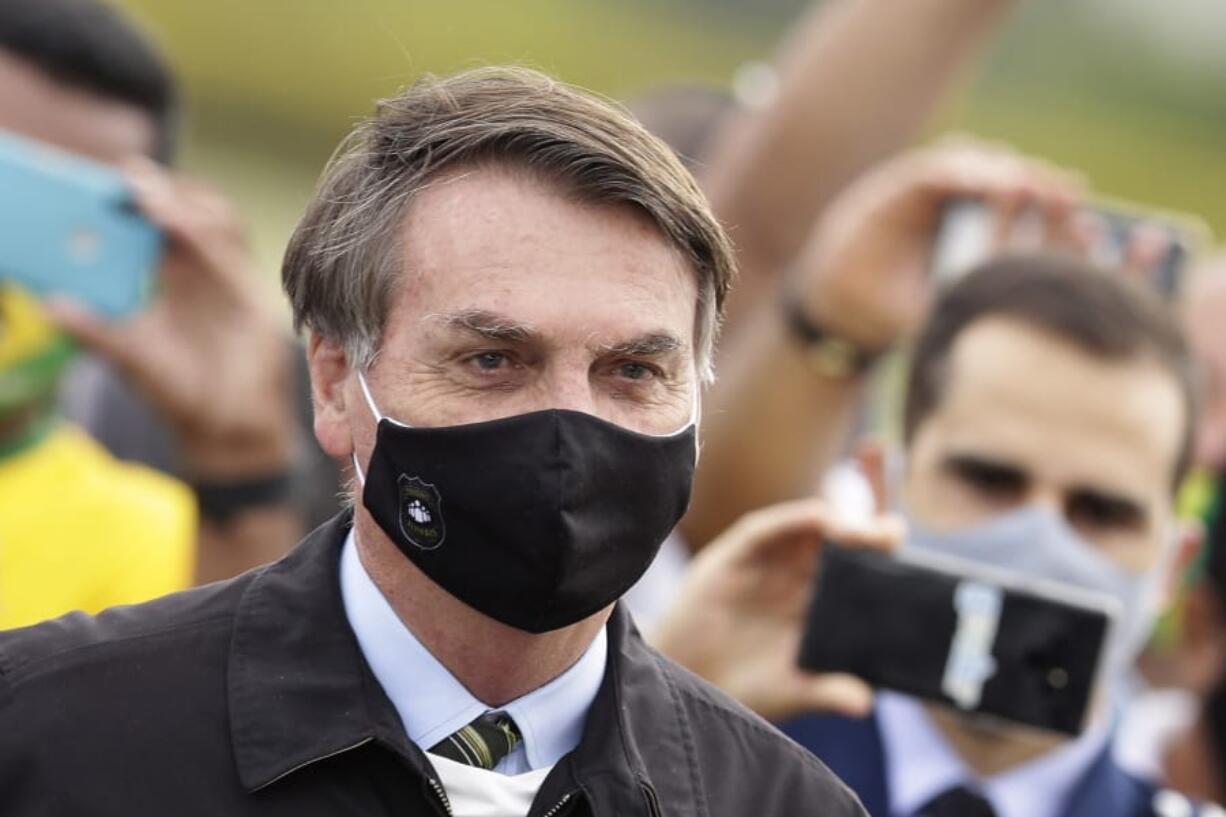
pixel 68 226
pixel 973 638
pixel 964 239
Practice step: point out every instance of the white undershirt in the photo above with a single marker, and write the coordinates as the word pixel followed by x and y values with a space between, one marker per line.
pixel 475 792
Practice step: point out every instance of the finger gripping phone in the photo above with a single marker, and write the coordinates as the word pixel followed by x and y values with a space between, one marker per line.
pixel 948 631
pixel 964 239
pixel 68 227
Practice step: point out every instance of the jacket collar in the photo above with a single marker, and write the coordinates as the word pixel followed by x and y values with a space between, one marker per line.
pixel 300 692
pixel 299 689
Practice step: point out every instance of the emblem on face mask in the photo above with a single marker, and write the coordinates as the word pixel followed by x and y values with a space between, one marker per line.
pixel 421 517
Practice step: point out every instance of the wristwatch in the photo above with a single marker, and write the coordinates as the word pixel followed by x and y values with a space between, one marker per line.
pixel 828 355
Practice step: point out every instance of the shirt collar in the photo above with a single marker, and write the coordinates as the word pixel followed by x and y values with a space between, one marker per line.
pixel 432 704
pixel 300 692
pixel 920 764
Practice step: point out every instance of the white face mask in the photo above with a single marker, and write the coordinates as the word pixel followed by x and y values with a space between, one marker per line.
pixel 1038 543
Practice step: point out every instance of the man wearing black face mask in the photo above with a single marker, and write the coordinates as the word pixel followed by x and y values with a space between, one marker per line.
pixel 511 291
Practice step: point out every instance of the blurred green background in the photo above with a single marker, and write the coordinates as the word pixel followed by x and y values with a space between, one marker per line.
pixel 1131 92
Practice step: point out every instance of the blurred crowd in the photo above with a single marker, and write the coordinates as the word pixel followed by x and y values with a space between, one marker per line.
pixel 1054 409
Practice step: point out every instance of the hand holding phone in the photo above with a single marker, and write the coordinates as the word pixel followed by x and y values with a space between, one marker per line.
pixel 1109 234
pixel 739 614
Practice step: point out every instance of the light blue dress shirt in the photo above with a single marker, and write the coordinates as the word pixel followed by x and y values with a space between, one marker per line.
pixel 921 764
pixel 432 704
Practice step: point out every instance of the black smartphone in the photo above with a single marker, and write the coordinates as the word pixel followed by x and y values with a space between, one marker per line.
pixel 950 631
pixel 964 239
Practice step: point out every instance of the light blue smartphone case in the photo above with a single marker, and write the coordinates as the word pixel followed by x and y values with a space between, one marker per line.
pixel 68 227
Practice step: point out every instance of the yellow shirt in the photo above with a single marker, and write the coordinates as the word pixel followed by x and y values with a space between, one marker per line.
pixel 80 530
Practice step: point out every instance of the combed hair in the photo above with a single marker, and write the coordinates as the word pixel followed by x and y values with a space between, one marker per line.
pixel 91 46
pixel 1096 310
pixel 343 259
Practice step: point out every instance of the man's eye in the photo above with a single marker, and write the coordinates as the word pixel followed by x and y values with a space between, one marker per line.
pixel 490 361
pixel 990 479
pixel 635 371
pixel 1102 512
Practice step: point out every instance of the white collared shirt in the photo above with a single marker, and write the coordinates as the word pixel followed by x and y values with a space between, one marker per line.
pixel 432 704
pixel 920 764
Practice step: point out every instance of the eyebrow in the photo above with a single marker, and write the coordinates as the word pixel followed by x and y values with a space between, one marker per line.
pixel 1119 501
pixel 964 463
pixel 654 344
pixel 495 327
pixel 492 326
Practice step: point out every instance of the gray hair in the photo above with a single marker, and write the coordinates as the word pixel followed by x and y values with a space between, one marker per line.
pixel 343 259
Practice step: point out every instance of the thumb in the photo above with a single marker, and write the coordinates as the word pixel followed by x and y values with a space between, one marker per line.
pixel 835 692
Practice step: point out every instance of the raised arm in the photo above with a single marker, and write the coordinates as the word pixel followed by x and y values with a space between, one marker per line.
pixel 857 81
pixel 783 405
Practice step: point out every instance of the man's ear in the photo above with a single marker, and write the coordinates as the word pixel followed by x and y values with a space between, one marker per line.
pixel 330 372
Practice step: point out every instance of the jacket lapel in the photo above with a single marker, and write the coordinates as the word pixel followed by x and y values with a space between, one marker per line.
pixel 1109 791
pixel 633 754
pixel 299 689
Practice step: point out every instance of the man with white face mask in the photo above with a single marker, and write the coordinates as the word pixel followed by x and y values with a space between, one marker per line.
pixel 1048 420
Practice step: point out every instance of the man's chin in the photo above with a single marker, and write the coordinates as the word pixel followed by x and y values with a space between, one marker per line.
pixel 987 727
pixel 989 730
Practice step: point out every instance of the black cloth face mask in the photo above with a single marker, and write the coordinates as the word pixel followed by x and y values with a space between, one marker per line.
pixel 537 520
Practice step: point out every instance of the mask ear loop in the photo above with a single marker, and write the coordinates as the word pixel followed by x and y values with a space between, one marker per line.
pixel 374 410
pixel 695 410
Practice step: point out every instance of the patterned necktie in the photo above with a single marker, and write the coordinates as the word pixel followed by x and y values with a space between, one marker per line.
pixel 482 743
pixel 957 802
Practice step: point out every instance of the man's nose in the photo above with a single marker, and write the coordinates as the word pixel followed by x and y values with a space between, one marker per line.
pixel 1051 500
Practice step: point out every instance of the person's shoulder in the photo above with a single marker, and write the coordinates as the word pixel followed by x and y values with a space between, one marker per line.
pixel 72 651
pixel 136 486
pixel 126 501
pixel 747 743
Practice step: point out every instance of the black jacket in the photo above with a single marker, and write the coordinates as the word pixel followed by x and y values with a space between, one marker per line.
pixel 250 697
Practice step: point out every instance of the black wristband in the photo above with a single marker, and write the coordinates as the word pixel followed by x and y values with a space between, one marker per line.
pixel 829 355
pixel 221 501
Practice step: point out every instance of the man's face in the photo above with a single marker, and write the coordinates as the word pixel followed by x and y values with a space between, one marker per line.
pixel 37 107
pixel 1029 418
pixel 514 299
